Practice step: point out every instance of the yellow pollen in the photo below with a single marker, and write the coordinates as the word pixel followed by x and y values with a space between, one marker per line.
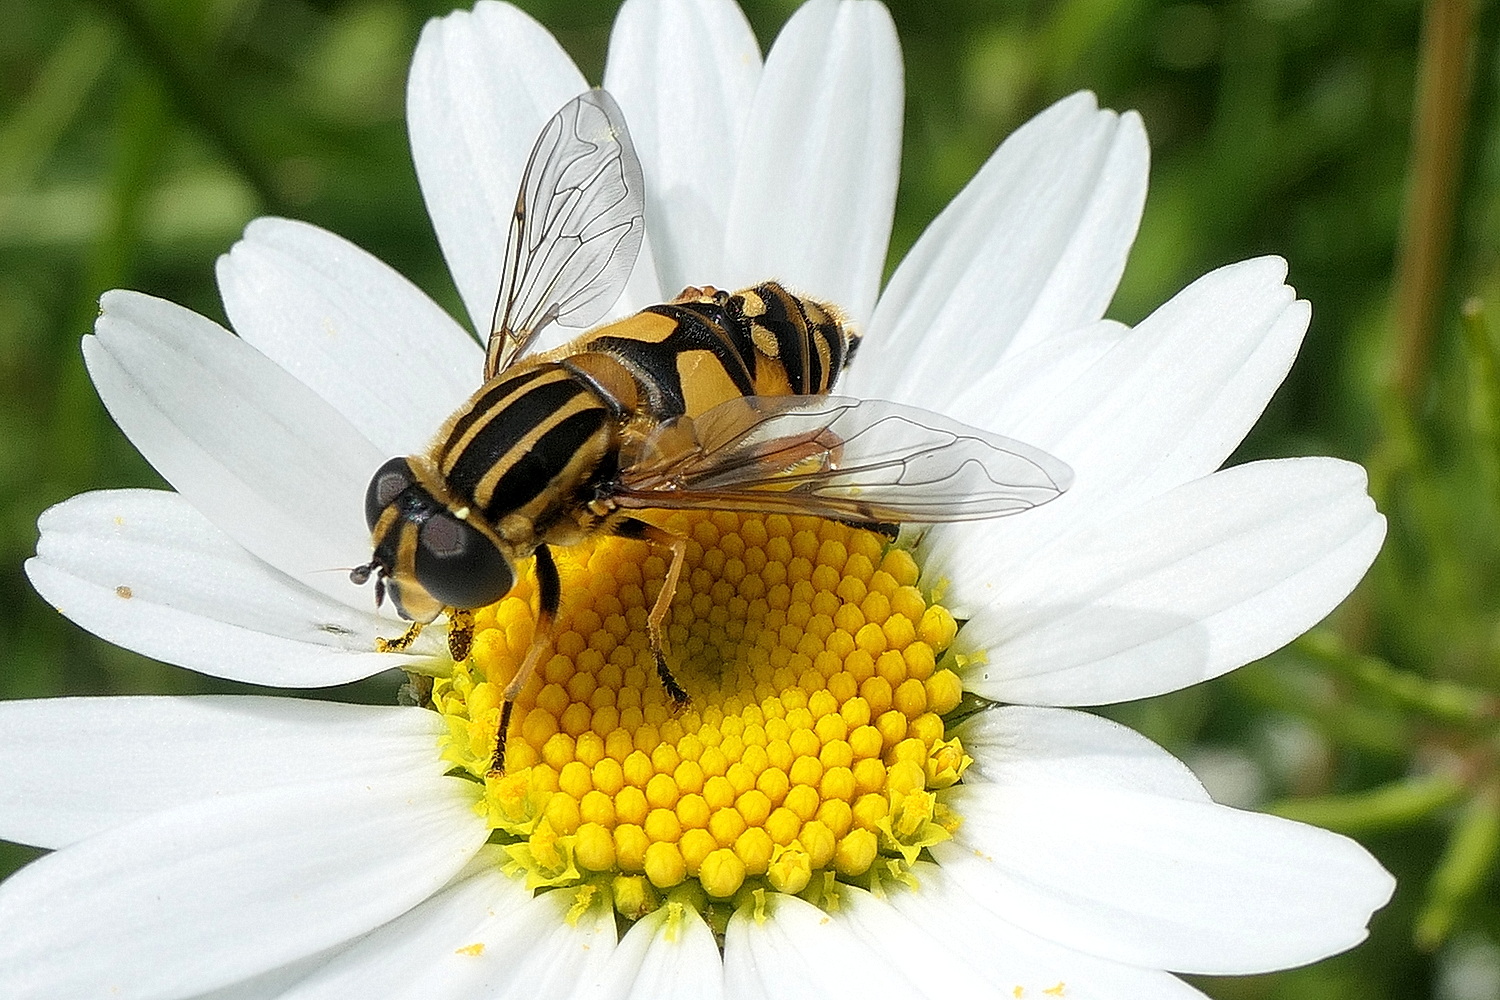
pixel 810 748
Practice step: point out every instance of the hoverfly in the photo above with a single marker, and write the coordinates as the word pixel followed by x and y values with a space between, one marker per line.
pixel 711 401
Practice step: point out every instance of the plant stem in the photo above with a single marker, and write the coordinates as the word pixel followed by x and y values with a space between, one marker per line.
pixel 1443 82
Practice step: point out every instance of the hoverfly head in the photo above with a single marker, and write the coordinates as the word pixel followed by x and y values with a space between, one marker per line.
pixel 426 556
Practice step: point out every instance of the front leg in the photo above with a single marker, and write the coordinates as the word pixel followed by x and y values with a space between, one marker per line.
pixel 401 642
pixel 460 633
pixel 549 599
pixel 460 636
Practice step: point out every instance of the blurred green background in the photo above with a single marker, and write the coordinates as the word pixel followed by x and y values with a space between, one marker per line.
pixel 138 137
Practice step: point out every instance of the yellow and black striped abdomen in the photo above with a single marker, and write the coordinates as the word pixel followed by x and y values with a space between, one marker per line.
pixel 526 443
pixel 689 355
pixel 799 340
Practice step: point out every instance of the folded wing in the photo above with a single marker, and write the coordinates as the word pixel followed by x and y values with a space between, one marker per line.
pixel 836 457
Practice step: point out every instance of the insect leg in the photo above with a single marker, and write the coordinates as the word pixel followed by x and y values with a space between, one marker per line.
pixel 658 615
pixel 401 642
pixel 884 529
pixel 692 293
pixel 678 546
pixel 632 528
pixel 549 599
pixel 460 633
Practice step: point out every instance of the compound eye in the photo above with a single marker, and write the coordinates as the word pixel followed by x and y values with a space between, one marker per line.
pixel 458 565
pixel 385 486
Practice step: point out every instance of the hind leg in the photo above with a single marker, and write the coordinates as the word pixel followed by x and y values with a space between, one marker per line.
pixel 677 545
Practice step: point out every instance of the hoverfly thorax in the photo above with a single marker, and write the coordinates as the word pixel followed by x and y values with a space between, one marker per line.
pixel 427 557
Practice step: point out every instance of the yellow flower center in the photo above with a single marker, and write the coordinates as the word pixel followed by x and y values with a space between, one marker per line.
pixel 808 753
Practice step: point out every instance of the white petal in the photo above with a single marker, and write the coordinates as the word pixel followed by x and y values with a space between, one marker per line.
pixel 215 892
pixel 74 767
pixel 796 951
pixel 684 73
pixel 1032 247
pixel 1165 404
pixel 267 461
pixel 394 959
pixel 145 570
pixel 669 954
pixel 484 936
pixel 1161 882
pixel 907 946
pixel 273 984
pixel 482 85
pixel 1053 747
pixel 1178 394
pixel 1202 580
pixel 1030 381
pixel 816 187
pixel 945 937
pixel 351 328
pixel 399 957
pixel 550 951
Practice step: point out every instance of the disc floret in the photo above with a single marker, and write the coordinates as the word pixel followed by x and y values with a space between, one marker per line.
pixel 811 748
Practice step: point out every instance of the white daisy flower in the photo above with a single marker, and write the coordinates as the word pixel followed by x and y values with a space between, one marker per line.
pixel 823 819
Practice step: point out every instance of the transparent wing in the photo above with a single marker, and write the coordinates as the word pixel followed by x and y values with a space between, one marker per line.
pixel 852 459
pixel 576 231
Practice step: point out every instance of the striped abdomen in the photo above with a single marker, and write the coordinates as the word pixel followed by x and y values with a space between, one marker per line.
pixel 526 443
pixel 689 355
